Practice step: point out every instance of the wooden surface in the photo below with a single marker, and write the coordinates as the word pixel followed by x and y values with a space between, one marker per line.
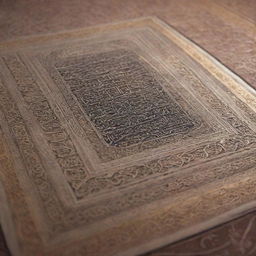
pixel 207 24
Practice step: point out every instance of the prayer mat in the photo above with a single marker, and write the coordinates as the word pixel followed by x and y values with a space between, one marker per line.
pixel 119 139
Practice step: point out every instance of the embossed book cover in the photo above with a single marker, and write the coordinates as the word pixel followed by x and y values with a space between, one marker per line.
pixel 118 139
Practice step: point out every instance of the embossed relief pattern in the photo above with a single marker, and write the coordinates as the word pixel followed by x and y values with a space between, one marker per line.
pixel 33 164
pixel 94 185
pixel 215 103
pixel 199 165
pixel 123 100
pixel 102 149
pixel 223 111
pixel 168 165
pixel 125 202
pixel 122 177
pixel 61 145
pixel 129 200
pixel 230 144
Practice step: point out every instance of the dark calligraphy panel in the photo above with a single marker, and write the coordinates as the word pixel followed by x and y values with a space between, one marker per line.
pixel 123 99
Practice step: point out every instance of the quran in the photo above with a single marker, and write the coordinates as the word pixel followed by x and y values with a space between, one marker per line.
pixel 118 139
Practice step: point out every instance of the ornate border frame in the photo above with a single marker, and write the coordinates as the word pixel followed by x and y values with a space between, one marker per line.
pixel 140 225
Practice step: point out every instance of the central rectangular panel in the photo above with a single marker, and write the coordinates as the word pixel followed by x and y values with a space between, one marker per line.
pixel 123 99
